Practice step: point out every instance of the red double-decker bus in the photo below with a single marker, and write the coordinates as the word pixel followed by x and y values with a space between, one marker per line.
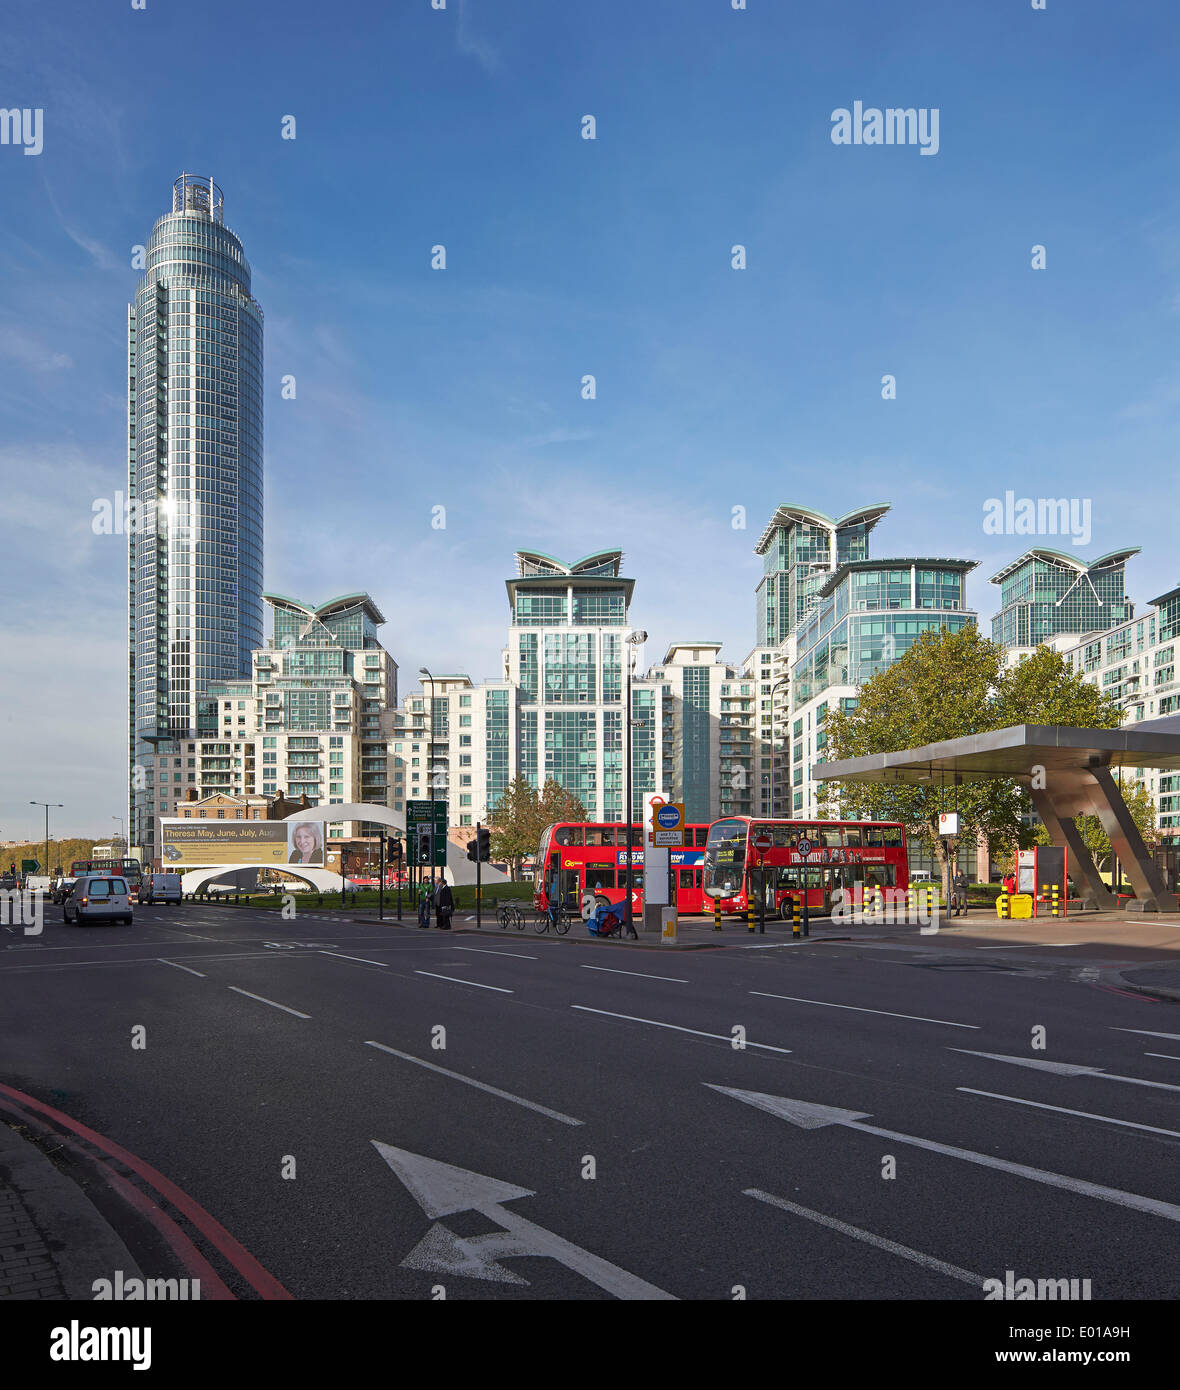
pixel 852 855
pixel 591 857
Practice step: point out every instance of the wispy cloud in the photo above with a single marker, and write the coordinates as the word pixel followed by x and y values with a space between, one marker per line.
pixel 22 347
pixel 101 256
pixel 473 47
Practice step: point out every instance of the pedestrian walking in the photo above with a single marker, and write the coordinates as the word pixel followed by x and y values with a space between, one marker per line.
pixel 425 893
pixel 444 905
pixel 960 902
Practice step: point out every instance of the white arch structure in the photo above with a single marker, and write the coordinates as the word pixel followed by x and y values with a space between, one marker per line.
pixel 459 868
pixel 323 880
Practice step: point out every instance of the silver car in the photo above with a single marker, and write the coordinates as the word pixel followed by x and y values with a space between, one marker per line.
pixel 97 898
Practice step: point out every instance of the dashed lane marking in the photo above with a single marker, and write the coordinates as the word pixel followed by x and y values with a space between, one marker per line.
pixel 263 1000
pixel 479 1085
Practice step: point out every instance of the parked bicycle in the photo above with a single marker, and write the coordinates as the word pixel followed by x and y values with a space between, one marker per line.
pixel 556 916
pixel 510 915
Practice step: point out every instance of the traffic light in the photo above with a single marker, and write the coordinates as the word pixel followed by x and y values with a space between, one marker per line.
pixel 483 838
pixel 394 851
pixel 425 845
pixel 471 848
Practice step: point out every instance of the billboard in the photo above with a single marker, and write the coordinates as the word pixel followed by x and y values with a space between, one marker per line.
pixel 186 843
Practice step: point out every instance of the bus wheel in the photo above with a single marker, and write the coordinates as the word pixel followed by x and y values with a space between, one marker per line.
pixel 784 910
pixel 600 901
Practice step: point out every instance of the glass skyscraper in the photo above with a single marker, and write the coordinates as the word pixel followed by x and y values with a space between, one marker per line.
pixel 194 480
pixel 800 549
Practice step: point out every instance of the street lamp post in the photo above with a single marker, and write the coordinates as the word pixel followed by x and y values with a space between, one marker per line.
pixel 47 805
pixel 422 671
pixel 782 680
pixel 634 639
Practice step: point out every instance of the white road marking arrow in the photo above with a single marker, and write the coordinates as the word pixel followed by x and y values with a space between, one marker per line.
pixel 1066 1068
pixel 1147 1033
pixel 809 1116
pixel 441 1189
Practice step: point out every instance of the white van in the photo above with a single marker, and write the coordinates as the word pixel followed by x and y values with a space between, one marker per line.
pixel 97 898
pixel 160 888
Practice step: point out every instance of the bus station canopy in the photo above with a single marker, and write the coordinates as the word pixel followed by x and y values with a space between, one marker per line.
pixel 1068 774
pixel 1015 752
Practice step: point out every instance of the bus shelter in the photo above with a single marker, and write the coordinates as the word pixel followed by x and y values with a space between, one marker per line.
pixel 1068 774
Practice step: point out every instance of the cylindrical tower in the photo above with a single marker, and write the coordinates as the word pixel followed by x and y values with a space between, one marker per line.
pixel 195 474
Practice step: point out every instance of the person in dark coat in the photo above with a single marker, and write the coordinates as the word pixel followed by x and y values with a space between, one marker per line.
pixel 444 905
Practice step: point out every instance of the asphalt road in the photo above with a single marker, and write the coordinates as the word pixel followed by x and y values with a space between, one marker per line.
pixel 612 1141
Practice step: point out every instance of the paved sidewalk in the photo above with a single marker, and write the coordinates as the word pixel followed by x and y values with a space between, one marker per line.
pixel 53 1241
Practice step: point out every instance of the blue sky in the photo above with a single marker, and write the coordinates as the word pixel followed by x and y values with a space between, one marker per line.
pixel 461 388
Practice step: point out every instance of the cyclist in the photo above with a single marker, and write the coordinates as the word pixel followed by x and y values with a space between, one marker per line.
pixel 553 910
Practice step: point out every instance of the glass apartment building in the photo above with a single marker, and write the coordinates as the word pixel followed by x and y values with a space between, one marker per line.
pixel 867 616
pixel 195 480
pixel 800 548
pixel 310 720
pixel 567 654
pixel 1044 593
pixel 1135 662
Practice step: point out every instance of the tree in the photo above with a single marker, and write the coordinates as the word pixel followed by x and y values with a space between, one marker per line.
pixel 520 815
pixel 515 823
pixel 949 685
pixel 557 804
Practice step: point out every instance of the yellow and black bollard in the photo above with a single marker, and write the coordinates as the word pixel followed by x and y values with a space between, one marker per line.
pixel 1056 904
pixel 795 922
pixel 750 915
pixel 716 914
pixel 1004 904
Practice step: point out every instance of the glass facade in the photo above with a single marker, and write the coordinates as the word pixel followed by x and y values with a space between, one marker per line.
pixel 571 752
pixel 798 559
pixel 1044 594
pixel 871 618
pixel 195 473
pixel 695 780
pixel 496 736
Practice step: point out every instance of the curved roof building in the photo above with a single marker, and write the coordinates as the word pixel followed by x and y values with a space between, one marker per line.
pixel 1044 593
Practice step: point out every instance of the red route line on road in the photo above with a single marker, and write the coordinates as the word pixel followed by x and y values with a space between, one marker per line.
pixel 236 1254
